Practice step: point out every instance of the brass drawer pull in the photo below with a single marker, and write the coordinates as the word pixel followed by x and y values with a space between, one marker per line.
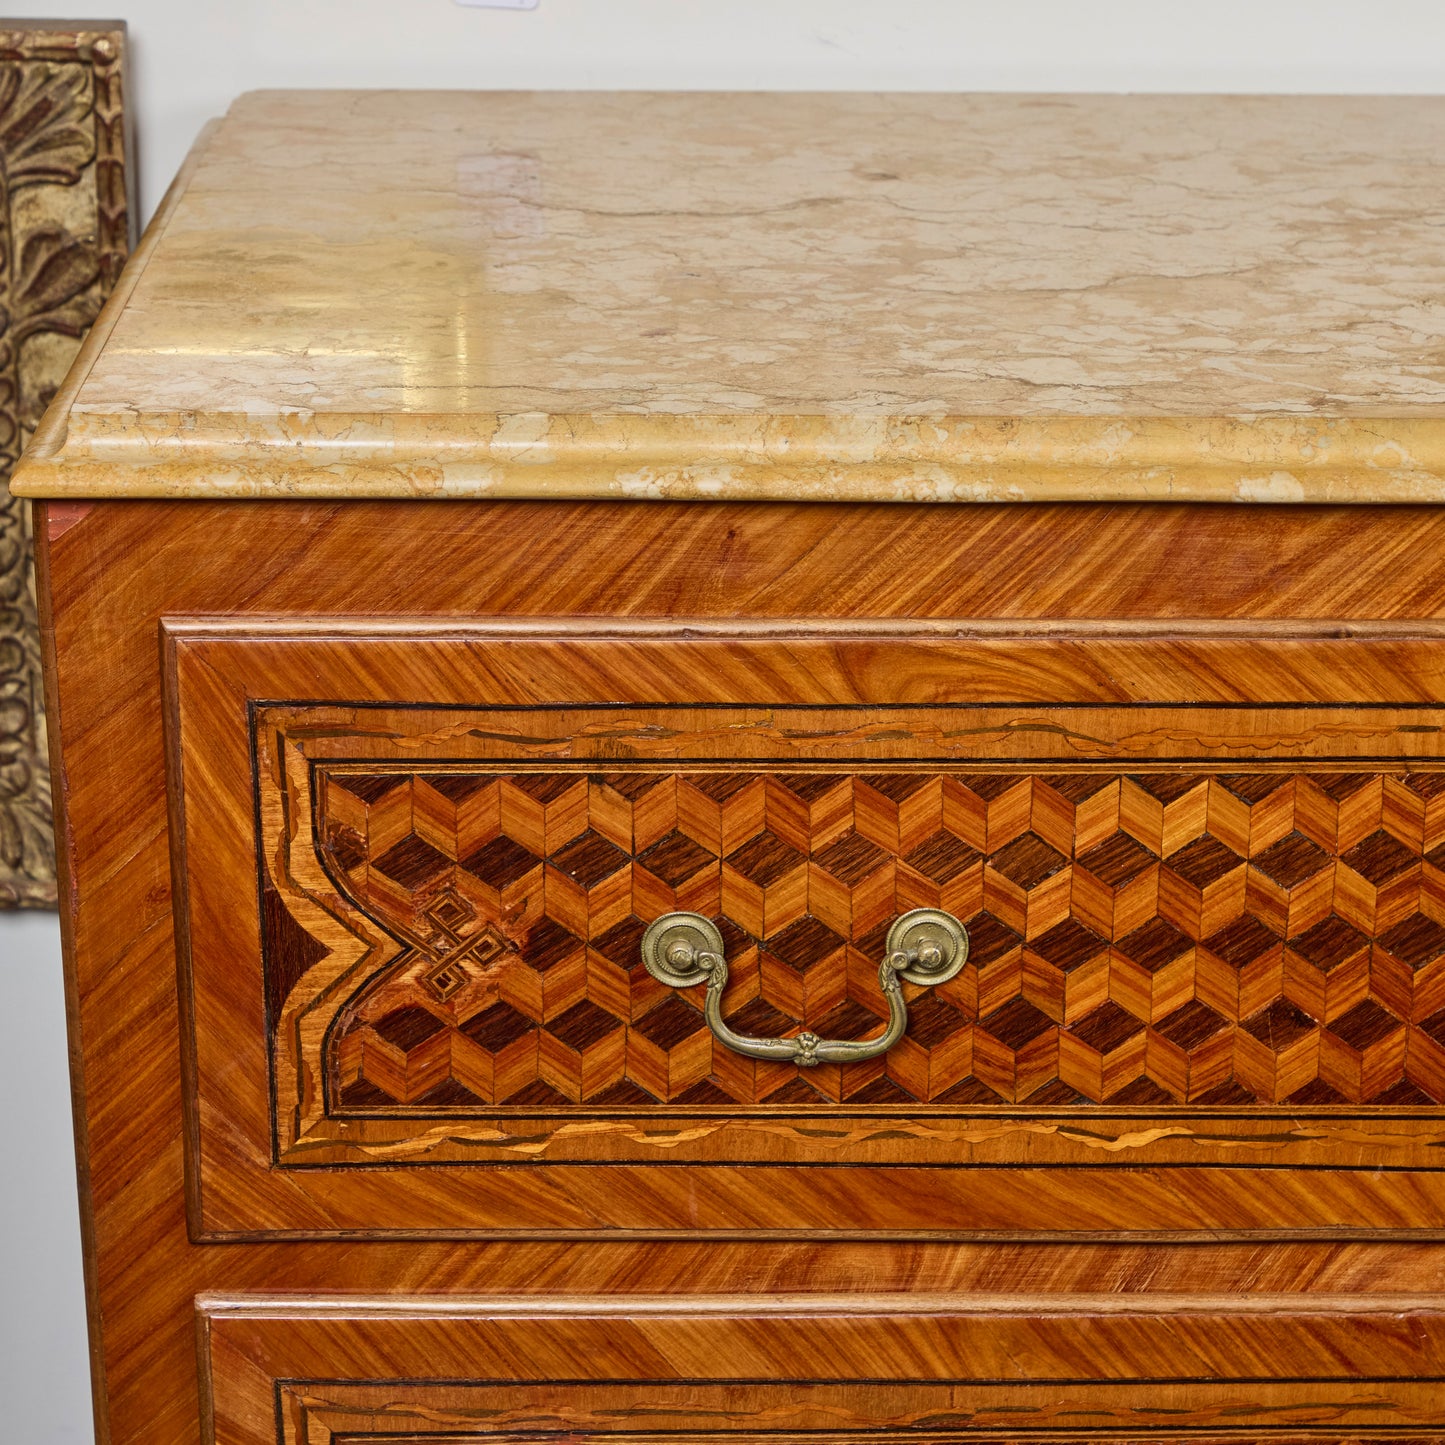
pixel 924 946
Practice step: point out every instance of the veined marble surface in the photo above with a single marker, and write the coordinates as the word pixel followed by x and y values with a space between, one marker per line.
pixel 902 297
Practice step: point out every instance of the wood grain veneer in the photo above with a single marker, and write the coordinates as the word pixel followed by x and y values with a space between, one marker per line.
pixel 113 572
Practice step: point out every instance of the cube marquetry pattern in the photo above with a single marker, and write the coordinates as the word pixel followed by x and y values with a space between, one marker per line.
pixel 1146 939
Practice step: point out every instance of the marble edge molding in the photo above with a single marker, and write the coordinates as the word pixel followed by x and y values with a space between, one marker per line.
pixel 318 455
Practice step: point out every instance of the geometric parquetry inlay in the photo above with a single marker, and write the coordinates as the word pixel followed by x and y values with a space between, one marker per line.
pixel 1152 938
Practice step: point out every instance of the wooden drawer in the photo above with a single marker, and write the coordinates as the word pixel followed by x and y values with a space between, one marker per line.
pixel 1202 876
pixel 704 1371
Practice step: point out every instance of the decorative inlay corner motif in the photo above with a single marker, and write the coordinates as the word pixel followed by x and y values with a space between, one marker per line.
pixel 63 240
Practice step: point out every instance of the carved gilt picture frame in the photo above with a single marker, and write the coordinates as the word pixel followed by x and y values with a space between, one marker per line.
pixel 66 184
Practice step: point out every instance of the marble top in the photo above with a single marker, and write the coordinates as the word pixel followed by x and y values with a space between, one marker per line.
pixel 904 297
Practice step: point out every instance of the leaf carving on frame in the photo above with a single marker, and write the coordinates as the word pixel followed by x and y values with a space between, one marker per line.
pixel 55 271
pixel 46 131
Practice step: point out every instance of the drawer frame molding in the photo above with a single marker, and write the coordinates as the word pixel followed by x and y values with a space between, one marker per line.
pixel 1066 1370
pixel 1285 1172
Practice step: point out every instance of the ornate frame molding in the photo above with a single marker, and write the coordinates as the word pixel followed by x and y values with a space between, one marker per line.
pixel 65 189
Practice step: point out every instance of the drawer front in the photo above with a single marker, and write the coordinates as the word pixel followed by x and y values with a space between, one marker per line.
pixel 884 1368
pixel 1202 882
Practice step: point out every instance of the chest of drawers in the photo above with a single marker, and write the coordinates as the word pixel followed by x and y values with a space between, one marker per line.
pixel 744 766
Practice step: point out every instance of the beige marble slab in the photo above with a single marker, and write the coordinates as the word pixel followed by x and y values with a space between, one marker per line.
pixel 916 297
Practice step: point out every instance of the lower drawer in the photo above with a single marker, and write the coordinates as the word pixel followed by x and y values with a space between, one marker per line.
pixel 829 1368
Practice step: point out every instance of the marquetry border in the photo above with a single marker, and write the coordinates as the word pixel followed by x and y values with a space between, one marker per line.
pixel 311 1132
pixel 62 92
pixel 313 1412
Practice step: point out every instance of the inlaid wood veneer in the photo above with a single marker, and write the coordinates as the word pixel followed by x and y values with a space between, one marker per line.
pixel 1208 936
pixel 178 1157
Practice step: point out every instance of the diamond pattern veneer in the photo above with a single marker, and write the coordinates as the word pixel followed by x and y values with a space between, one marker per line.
pixel 1154 938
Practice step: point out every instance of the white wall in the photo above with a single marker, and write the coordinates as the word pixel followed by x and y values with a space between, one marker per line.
pixel 190 57
pixel 44 1392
